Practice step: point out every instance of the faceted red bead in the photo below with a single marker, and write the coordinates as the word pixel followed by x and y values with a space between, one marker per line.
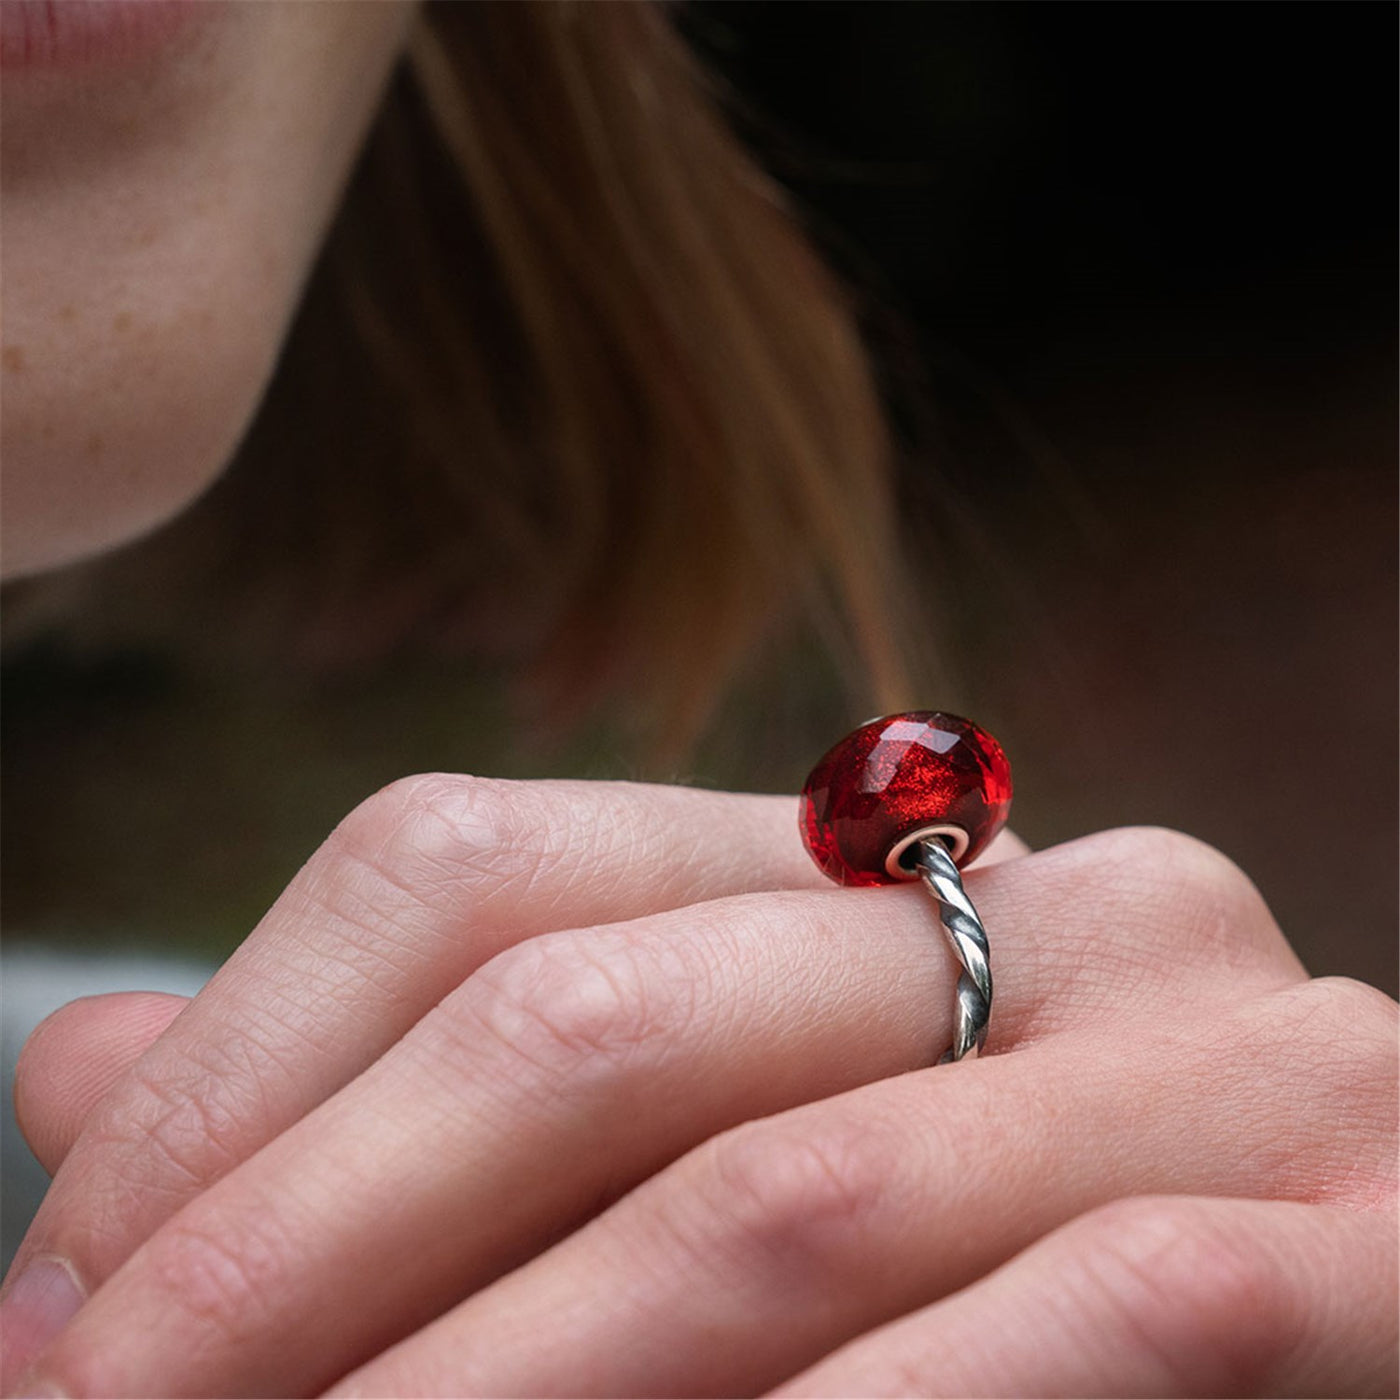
pixel 895 775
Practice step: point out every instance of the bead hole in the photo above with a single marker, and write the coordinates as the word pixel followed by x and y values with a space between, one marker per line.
pixel 909 856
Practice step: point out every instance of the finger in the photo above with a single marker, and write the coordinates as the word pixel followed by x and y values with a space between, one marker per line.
pixel 418 887
pixel 1154 1296
pixel 68 1064
pixel 568 1069
pixel 771 1246
pixel 1005 846
pixel 75 1056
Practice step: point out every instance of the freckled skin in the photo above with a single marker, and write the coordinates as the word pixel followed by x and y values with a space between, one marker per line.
pixel 158 224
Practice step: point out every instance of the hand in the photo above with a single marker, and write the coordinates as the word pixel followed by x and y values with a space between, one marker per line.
pixel 371 1143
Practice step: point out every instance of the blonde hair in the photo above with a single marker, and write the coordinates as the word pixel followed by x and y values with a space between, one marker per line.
pixel 570 387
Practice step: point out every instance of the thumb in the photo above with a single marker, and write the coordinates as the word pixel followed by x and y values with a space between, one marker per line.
pixel 75 1056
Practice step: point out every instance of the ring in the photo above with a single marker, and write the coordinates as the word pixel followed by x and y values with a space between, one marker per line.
pixel 915 796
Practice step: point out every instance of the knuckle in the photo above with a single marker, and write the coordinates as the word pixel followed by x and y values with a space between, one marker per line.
pixel 409 869
pixel 1185 863
pixel 171 1131
pixel 428 834
pixel 148 1150
pixel 1344 1008
pixel 1184 894
pixel 185 1126
pixel 573 1007
pixel 226 1276
pixel 1330 1043
pixel 183 1116
pixel 1179 1282
pixel 1331 1025
pixel 797 1199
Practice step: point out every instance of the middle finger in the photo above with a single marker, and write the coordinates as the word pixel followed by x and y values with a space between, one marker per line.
pixel 420 886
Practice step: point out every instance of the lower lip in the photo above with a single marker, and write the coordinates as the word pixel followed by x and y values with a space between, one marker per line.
pixel 49 34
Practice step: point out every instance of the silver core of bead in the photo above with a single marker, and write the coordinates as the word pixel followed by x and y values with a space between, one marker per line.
pixel 900 863
pixel 968 940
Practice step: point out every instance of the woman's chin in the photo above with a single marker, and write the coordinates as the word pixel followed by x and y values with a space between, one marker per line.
pixel 110 500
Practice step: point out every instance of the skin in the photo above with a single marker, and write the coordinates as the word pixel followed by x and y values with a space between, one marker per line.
pixel 573 1088
pixel 600 1089
pixel 161 213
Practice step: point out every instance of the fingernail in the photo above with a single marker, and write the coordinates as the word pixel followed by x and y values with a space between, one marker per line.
pixel 37 1306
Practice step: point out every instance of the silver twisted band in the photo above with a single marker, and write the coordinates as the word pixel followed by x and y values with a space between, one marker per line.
pixel 968 940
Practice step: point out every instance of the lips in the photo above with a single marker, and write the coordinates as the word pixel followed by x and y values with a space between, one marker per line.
pixel 49 34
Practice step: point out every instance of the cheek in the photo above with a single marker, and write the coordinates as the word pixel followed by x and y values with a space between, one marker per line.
pixel 123 398
pixel 153 255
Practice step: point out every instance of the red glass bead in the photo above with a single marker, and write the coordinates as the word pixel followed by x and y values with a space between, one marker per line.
pixel 895 775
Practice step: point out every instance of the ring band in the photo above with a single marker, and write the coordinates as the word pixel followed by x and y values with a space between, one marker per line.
pixel 968 940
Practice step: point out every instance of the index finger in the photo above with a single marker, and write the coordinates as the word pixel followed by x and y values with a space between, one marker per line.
pixel 73 1060
pixel 417 888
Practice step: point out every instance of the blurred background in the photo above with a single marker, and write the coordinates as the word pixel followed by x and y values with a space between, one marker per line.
pixel 1133 275
pixel 1129 273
